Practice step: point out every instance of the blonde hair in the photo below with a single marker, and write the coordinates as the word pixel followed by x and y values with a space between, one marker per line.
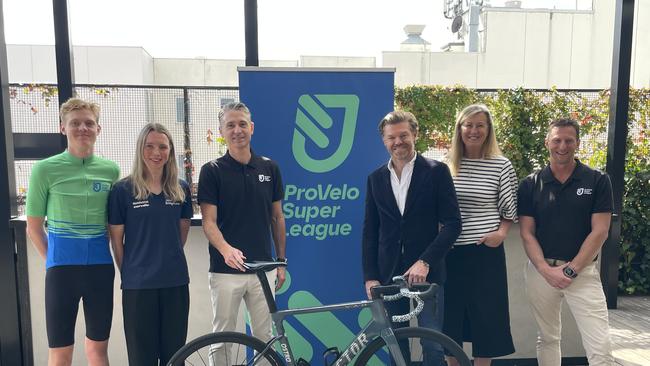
pixel 170 185
pixel 396 117
pixel 490 147
pixel 77 104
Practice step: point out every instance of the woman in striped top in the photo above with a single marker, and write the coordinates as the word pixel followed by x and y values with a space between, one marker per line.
pixel 476 290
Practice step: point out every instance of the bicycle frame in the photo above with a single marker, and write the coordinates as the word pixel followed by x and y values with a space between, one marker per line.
pixel 379 326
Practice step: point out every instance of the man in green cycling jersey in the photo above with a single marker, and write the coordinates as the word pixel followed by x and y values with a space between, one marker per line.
pixel 71 190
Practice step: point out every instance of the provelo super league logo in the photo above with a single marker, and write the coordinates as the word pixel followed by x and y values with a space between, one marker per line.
pixel 101 186
pixel 312 119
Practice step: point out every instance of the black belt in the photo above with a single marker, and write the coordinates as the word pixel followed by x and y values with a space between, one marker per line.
pixel 558 262
pixel 555 262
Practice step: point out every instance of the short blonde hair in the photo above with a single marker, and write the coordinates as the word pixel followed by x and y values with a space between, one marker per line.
pixel 396 117
pixel 77 104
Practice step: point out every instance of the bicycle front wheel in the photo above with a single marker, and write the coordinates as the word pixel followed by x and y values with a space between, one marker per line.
pixel 226 349
pixel 411 340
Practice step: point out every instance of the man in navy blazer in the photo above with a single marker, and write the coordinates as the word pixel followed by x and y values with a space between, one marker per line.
pixel 411 221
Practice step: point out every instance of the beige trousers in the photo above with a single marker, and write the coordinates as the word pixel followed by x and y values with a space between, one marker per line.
pixel 587 303
pixel 227 292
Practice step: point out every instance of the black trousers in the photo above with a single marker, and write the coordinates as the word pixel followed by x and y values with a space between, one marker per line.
pixel 155 323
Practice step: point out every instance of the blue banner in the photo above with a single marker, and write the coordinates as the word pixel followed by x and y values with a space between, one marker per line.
pixel 321 128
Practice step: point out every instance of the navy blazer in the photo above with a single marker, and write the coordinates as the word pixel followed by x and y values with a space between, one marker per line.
pixel 392 242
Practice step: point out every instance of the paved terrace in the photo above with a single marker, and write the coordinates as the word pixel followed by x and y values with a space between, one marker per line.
pixel 630 329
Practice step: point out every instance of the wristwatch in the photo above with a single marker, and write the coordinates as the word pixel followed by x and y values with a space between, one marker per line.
pixel 283 260
pixel 570 272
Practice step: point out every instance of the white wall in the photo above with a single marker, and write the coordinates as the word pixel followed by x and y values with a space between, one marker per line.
pixel 520 47
pixel 411 67
pixel 337 61
pixel 92 64
pixel 147 68
pixel 641 47
pixel 535 48
pixel 200 72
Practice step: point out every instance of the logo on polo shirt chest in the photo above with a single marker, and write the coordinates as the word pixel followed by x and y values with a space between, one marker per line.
pixel 140 204
pixel 101 186
pixel 264 178
pixel 582 191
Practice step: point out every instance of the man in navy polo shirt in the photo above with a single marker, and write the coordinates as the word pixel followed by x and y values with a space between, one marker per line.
pixel 240 195
pixel 564 212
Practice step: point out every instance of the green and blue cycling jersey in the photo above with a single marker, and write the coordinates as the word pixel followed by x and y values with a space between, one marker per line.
pixel 73 194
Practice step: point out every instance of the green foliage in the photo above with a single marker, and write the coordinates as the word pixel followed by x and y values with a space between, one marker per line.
pixel 634 267
pixel 435 108
pixel 520 120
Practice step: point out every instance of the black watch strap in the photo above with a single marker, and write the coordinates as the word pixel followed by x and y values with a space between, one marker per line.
pixel 283 260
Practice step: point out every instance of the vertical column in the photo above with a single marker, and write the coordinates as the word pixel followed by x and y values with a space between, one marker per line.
pixel 250 21
pixel 64 57
pixel 616 141
pixel 10 334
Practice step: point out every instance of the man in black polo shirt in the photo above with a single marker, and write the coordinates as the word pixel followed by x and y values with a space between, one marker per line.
pixel 240 195
pixel 564 213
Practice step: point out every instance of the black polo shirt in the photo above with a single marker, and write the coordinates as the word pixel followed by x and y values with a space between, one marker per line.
pixel 562 212
pixel 244 195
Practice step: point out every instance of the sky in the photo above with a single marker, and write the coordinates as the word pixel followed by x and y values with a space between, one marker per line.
pixel 215 28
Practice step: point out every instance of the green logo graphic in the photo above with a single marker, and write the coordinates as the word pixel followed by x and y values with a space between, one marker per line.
pixel 306 128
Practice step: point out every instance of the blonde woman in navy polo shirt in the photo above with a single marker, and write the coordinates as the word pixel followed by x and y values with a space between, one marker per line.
pixel 476 291
pixel 149 217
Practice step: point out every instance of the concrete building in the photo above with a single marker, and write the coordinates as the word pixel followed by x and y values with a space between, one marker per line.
pixel 534 48
pixel 36 64
pixel 92 65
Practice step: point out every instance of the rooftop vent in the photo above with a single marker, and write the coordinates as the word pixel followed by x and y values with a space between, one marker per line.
pixel 414 40
pixel 513 4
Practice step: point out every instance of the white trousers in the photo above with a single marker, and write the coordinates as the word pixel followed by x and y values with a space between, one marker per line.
pixel 587 303
pixel 227 292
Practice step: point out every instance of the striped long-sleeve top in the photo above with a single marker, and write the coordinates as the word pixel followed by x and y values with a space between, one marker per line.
pixel 487 191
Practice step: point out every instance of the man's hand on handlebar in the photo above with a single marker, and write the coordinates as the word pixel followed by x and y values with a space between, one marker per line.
pixel 417 273
pixel 370 284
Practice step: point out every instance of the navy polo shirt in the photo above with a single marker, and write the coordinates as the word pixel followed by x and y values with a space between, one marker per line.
pixel 153 253
pixel 244 196
pixel 562 212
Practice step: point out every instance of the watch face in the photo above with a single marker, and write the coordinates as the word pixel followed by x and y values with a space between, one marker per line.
pixel 569 272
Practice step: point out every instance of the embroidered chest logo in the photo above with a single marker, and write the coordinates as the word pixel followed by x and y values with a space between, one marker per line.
pixel 101 186
pixel 140 204
pixel 169 202
pixel 264 178
pixel 582 191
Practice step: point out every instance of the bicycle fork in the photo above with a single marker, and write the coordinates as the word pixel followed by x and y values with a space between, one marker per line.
pixel 393 346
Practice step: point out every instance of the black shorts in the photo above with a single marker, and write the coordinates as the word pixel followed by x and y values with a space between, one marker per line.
pixel 64 287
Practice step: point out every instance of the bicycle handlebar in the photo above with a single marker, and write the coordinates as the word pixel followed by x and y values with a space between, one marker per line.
pixel 400 290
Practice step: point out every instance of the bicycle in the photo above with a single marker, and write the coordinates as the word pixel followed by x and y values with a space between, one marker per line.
pixel 375 342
